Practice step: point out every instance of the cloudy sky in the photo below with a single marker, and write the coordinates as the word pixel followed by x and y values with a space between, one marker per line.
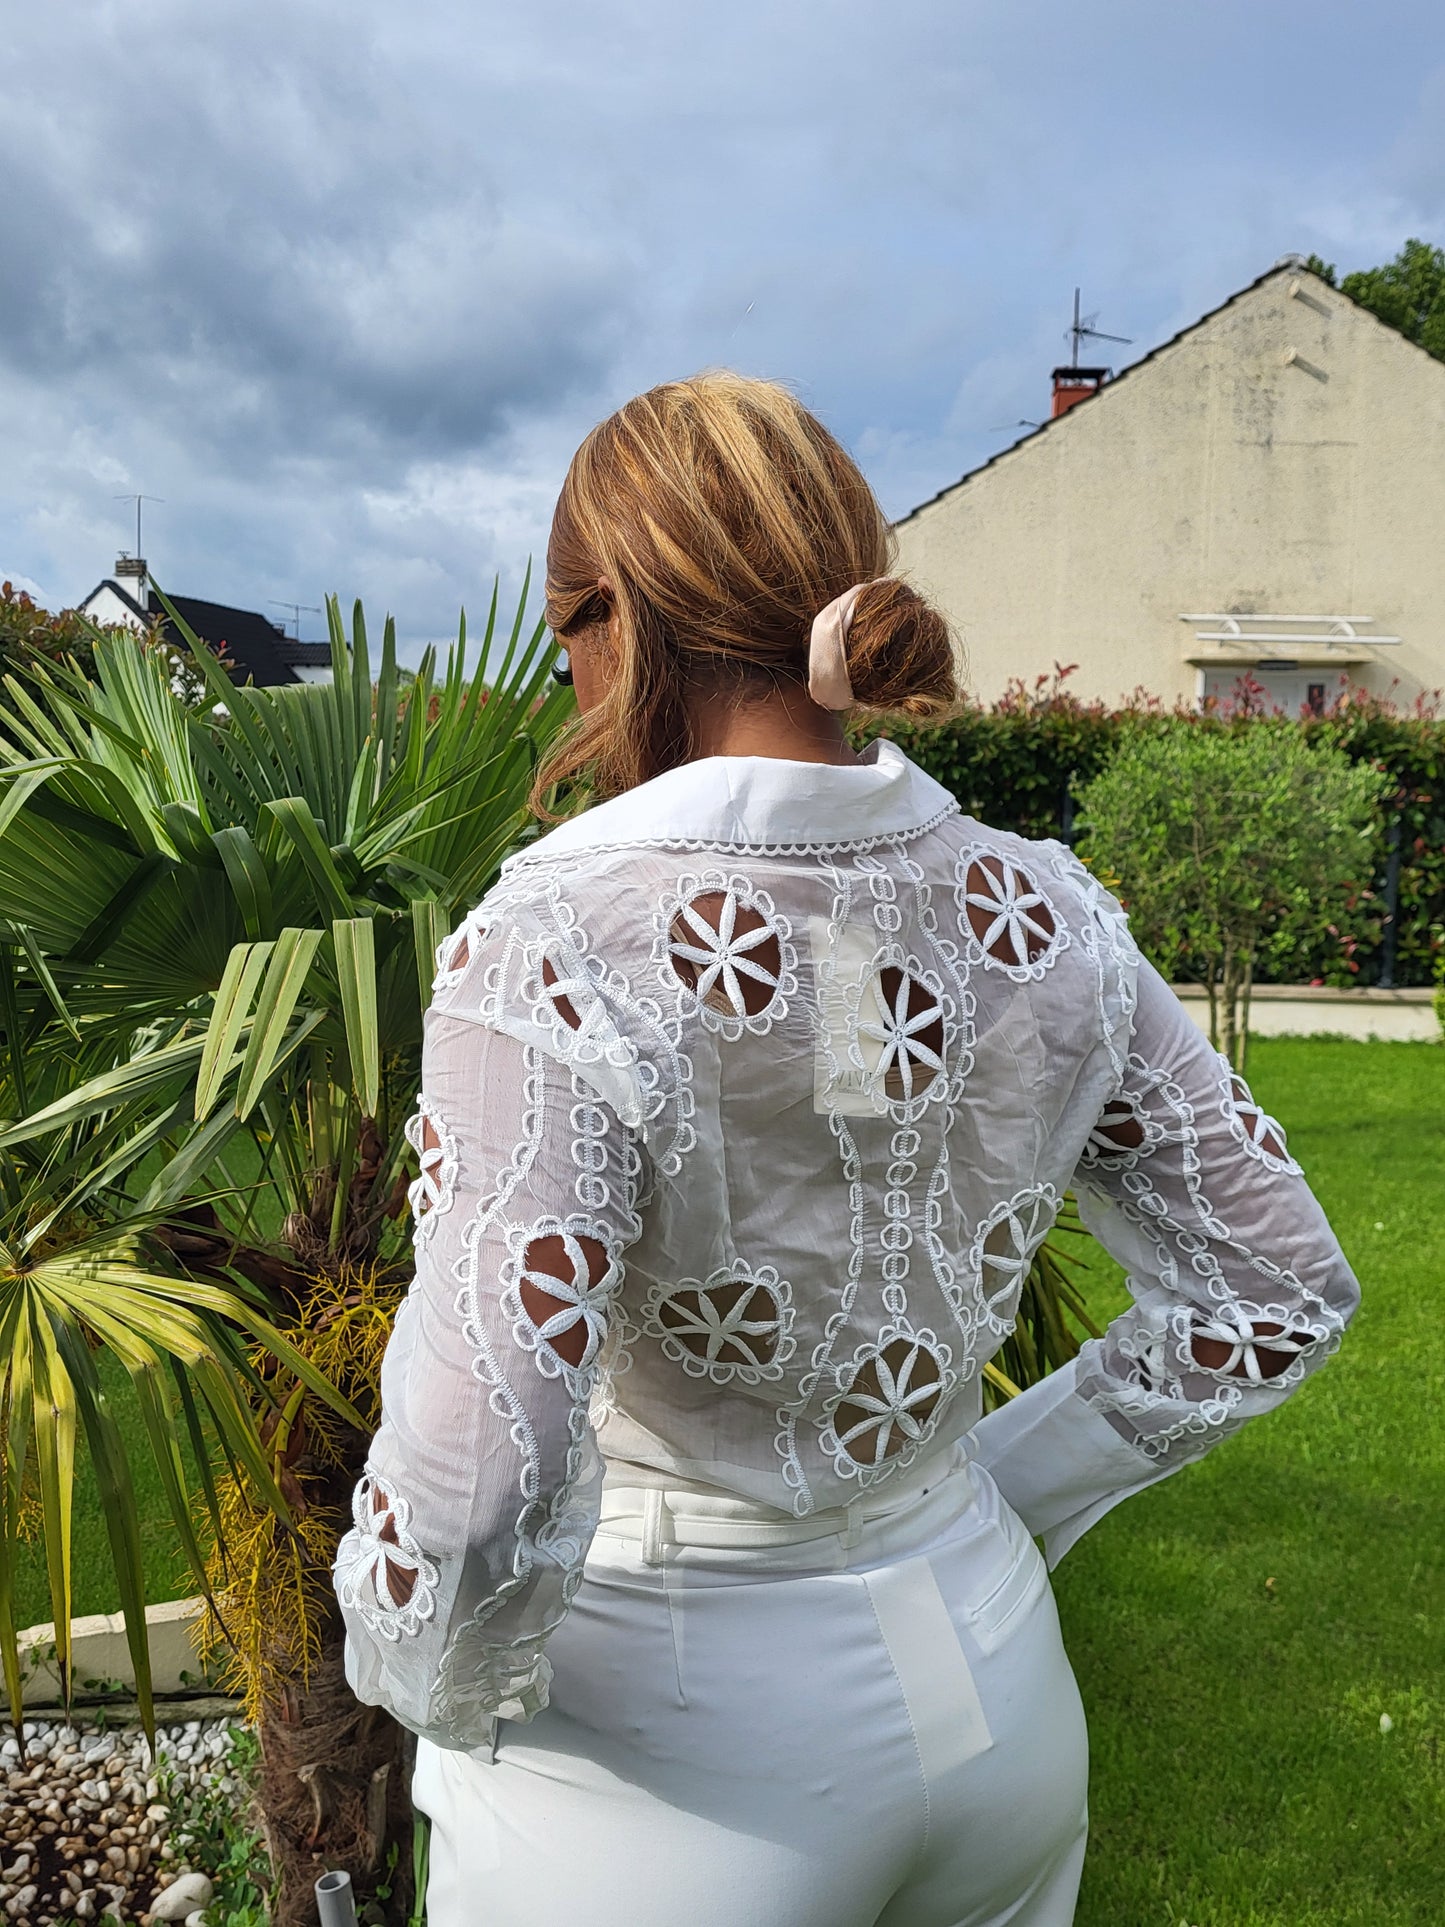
pixel 346 283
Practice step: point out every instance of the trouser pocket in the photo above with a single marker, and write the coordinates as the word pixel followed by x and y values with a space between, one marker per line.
pixel 1025 1579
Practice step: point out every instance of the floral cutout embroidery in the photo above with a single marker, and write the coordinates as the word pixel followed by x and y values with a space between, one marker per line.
pixel 1004 1249
pixel 433 1191
pixel 626 1045
pixel 1007 921
pixel 1260 1135
pixel 1123 1134
pixel 728 948
pixel 734 1325
pixel 558 1284
pixel 382 1573
pixel 1249 1336
pixel 570 993
pixel 454 952
pixel 561 986
pixel 888 1400
pixel 1105 939
pixel 1253 1345
pixel 909 1029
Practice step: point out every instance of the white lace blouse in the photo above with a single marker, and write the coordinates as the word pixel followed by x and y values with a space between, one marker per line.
pixel 747 1098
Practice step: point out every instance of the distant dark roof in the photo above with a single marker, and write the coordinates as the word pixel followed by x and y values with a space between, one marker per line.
pixel 258 649
pixel 304 655
pixel 1289 264
pixel 251 642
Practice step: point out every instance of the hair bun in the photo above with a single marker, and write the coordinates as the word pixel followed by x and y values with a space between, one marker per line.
pixel 901 655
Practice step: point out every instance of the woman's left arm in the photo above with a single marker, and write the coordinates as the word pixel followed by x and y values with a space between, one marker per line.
pixel 481 1490
pixel 1240 1289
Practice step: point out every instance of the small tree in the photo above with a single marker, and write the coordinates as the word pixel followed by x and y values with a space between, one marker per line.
pixel 1408 293
pixel 1220 835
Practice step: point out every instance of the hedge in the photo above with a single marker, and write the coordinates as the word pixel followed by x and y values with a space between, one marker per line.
pixel 1021 763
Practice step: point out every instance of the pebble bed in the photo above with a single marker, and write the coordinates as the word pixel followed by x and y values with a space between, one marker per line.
pixel 83 1825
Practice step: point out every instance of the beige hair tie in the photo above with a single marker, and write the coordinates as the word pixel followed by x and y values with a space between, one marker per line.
pixel 828 683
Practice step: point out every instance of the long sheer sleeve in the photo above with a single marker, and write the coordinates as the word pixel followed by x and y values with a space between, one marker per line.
pixel 482 1485
pixel 1240 1290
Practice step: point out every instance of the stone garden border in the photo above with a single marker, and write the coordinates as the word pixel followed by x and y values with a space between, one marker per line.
pixel 100 1658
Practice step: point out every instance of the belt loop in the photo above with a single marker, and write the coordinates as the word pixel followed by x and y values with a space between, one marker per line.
pixel 654 1527
pixel 853 1527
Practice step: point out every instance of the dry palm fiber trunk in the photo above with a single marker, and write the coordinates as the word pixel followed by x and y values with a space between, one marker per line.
pixel 336 1791
pixel 335 1781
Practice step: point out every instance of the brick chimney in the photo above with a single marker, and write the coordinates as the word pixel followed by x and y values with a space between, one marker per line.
pixel 130 573
pixel 1073 385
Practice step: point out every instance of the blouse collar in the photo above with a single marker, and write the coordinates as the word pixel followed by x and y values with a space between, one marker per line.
pixel 760 804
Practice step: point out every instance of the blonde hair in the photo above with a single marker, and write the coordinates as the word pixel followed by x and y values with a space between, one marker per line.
pixel 724 516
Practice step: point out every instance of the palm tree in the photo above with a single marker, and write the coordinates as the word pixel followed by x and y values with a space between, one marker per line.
pixel 217 930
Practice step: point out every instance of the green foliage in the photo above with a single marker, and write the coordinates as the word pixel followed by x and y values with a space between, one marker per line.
pixel 1022 763
pixel 29 633
pixel 1409 750
pixel 31 636
pixel 1019 763
pixel 1222 839
pixel 1407 293
pixel 210 959
pixel 215 1831
pixel 420 1864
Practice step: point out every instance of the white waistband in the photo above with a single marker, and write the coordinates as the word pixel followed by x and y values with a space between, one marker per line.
pixel 694 1515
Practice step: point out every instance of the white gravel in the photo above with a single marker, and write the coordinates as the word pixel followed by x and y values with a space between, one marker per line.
pixel 83 1827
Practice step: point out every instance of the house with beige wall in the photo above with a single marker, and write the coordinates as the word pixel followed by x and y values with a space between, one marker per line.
pixel 1264 493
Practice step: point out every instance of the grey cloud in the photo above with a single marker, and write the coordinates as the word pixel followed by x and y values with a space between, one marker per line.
pixel 316 276
pixel 346 283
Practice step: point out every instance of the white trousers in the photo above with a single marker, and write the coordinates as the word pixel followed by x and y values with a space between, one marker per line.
pixel 860 1720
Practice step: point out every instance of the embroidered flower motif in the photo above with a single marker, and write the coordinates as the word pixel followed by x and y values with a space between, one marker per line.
pixel 561 985
pixel 891 1396
pixel 558 1284
pixel 1004 1248
pixel 572 996
pixel 1008 920
pixel 381 1571
pixel 1248 1336
pixel 727 946
pixel 454 952
pixel 1260 1135
pixel 734 1325
pixel 1123 1133
pixel 434 1190
pixel 909 1029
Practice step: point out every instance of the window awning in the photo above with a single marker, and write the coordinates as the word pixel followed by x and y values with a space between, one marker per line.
pixel 1286 641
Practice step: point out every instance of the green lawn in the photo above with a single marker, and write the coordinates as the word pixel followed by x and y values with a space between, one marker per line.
pixel 166 1574
pixel 1240 1776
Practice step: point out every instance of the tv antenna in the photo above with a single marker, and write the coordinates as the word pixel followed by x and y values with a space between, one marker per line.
pixel 298 609
pixel 138 499
pixel 1083 329
pixel 1000 428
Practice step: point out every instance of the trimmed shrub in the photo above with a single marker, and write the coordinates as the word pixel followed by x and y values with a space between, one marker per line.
pixel 1023 763
pixel 1222 839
